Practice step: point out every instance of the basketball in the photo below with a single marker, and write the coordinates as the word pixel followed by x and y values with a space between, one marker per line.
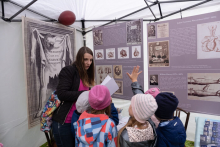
pixel 67 18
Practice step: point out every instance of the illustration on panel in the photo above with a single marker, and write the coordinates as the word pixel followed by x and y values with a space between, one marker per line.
pixel 151 31
pixel 158 54
pixel 154 80
pixel 123 53
pixel 117 71
pixel 163 30
pixel 136 51
pixel 134 32
pixel 99 54
pixel 120 85
pixel 48 48
pixel 110 53
pixel 102 71
pixel 204 86
pixel 208 40
pixel 98 37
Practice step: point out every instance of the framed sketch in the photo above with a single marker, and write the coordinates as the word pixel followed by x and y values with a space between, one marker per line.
pixel 204 86
pixel 163 30
pixel 99 54
pixel 158 54
pixel 154 80
pixel 136 51
pixel 48 47
pixel 120 85
pixel 117 71
pixel 102 71
pixel 98 37
pixel 208 40
pixel 123 53
pixel 110 53
pixel 134 32
pixel 151 31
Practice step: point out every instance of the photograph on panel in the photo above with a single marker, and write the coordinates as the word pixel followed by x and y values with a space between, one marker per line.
pixel 102 71
pixel 48 47
pixel 98 37
pixel 163 30
pixel 154 80
pixel 117 71
pixel 136 51
pixel 110 53
pixel 208 40
pixel 204 86
pixel 151 31
pixel 99 54
pixel 123 53
pixel 158 54
pixel 120 85
pixel 134 32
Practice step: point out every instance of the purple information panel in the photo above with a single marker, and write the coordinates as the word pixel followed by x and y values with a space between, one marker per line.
pixel 117 49
pixel 184 58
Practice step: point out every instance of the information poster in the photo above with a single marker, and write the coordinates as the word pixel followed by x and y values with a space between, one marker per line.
pixel 184 56
pixel 117 49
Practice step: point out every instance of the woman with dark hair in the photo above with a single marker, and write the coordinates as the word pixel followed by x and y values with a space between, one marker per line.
pixel 73 80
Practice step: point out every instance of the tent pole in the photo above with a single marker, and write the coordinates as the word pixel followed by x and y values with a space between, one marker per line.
pixel 161 15
pixel 83 32
pixel 51 19
pixel 150 9
pixel 3 9
pixel 28 5
pixel 179 1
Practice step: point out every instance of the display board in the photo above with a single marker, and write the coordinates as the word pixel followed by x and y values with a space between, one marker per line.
pixel 183 59
pixel 48 47
pixel 117 49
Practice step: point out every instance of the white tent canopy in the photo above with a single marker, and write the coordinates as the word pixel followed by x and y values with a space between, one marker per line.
pixel 14 130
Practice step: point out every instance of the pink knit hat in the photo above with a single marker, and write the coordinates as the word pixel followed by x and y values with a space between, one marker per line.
pixel 143 106
pixel 99 97
pixel 153 91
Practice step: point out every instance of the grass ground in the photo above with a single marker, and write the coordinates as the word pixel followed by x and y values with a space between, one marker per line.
pixel 187 144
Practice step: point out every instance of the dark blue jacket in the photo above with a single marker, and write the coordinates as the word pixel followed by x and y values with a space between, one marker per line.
pixel 172 134
pixel 76 115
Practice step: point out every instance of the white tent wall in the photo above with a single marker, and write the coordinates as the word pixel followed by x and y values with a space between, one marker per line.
pixel 14 130
pixel 124 104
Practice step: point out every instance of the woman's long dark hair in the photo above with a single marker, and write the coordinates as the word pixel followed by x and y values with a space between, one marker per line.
pixel 87 76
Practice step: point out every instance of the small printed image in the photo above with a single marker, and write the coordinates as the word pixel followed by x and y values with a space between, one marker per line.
pixel 99 54
pixel 134 32
pixel 159 54
pixel 120 85
pixel 98 37
pixel 102 71
pixel 136 51
pixel 151 31
pixel 123 53
pixel 154 80
pixel 204 86
pixel 110 53
pixel 117 71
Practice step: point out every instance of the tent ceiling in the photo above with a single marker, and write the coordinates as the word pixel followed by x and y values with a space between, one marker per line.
pixel 99 9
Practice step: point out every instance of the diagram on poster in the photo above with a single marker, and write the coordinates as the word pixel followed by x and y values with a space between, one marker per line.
pixel 99 54
pixel 102 71
pixel 204 86
pixel 151 31
pixel 120 85
pixel 118 71
pixel 158 54
pixel 208 40
pixel 110 53
pixel 123 53
pixel 136 51
pixel 97 37
pixel 134 32
pixel 163 30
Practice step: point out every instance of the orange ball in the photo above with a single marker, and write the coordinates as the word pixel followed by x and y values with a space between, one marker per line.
pixel 67 18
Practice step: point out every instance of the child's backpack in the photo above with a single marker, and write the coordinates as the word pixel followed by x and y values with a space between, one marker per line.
pixel 46 117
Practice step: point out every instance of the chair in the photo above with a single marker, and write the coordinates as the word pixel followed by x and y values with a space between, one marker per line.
pixel 177 113
pixel 50 139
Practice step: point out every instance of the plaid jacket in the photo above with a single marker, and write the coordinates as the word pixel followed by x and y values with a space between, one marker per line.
pixel 95 131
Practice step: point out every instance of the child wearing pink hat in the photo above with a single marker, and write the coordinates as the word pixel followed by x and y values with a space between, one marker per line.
pixel 137 88
pixel 96 128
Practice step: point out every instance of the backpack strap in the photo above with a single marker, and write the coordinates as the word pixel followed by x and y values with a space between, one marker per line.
pixel 154 130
